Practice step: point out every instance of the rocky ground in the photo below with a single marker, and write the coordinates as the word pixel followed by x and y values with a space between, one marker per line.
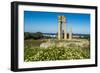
pixel 81 43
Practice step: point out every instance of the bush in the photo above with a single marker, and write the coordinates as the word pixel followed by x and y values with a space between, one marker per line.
pixel 37 35
pixel 55 53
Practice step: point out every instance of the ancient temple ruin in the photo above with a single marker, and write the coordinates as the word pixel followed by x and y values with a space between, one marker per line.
pixel 66 35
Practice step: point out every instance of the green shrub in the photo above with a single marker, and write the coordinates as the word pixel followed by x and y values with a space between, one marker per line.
pixel 54 53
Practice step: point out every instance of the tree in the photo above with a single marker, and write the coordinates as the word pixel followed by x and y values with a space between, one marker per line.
pixel 27 35
pixel 37 35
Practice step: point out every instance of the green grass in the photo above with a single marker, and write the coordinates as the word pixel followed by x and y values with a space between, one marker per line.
pixel 32 52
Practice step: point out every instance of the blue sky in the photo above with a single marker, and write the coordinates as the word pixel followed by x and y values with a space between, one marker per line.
pixel 47 22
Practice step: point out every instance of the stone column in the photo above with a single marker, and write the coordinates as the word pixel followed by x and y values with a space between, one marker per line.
pixel 59 28
pixel 70 34
pixel 65 30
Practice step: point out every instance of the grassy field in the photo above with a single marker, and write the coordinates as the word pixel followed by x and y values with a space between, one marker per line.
pixel 33 51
